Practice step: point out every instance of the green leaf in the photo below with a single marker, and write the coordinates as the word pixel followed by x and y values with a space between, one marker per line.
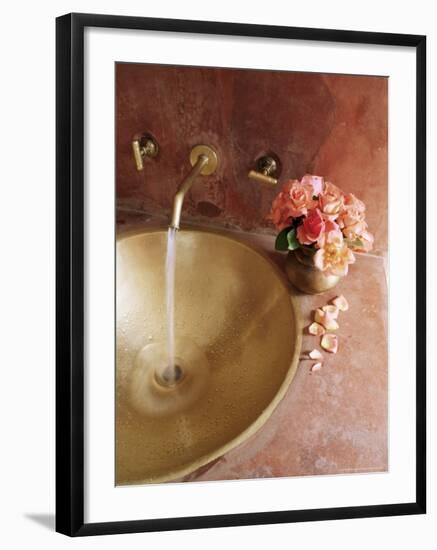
pixel 293 243
pixel 356 243
pixel 281 242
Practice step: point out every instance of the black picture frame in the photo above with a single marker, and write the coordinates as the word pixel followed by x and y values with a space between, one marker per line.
pixel 70 273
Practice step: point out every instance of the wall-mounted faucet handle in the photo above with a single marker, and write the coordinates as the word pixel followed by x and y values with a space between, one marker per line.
pixel 146 146
pixel 266 170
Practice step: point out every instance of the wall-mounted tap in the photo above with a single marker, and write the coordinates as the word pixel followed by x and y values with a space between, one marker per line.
pixel 146 146
pixel 267 169
pixel 204 161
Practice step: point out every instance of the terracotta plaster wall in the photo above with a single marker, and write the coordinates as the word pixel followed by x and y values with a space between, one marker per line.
pixel 329 125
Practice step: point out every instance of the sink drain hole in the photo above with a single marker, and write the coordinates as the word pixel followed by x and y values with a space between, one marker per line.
pixel 170 376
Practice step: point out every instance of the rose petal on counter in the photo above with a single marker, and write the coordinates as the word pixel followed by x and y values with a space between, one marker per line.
pixel 341 303
pixel 315 354
pixel 316 329
pixel 331 325
pixel 326 319
pixel 319 316
pixel 332 310
pixel 329 342
pixel 316 366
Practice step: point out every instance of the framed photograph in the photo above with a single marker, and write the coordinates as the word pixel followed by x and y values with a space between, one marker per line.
pixel 240 274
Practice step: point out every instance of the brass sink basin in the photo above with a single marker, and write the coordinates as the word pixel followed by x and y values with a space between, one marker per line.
pixel 238 339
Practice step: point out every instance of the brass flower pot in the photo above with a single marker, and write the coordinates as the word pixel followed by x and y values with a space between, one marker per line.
pixel 305 276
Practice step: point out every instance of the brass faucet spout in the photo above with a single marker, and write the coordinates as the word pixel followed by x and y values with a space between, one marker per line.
pixel 183 189
pixel 204 161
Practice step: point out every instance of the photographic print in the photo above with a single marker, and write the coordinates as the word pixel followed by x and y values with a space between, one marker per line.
pixel 240 304
pixel 251 274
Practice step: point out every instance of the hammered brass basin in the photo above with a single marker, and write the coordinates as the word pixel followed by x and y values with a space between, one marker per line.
pixel 237 328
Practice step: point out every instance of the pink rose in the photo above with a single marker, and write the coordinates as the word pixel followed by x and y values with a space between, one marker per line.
pixel 367 239
pixel 315 181
pixel 295 199
pixel 357 233
pixel 331 201
pixel 301 197
pixel 334 256
pixel 280 213
pixel 353 211
pixel 312 227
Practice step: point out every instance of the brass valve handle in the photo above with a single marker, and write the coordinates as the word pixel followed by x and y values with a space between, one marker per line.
pixel 265 172
pixel 146 146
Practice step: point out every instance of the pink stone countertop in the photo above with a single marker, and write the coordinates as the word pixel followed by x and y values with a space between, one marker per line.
pixel 332 421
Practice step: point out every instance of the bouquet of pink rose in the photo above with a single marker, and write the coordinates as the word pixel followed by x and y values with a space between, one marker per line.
pixel 317 216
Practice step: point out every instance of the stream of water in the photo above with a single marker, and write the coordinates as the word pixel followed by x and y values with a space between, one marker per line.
pixel 170 284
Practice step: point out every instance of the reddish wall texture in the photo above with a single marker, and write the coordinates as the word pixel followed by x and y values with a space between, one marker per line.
pixel 329 125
